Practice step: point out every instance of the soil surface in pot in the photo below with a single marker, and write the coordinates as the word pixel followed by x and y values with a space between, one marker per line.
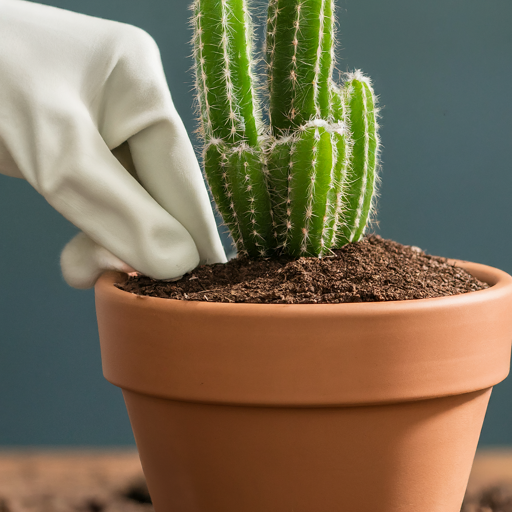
pixel 371 270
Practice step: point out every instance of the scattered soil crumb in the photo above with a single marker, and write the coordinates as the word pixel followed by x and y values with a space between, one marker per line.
pixel 372 270
pixel 495 498
pixel 138 492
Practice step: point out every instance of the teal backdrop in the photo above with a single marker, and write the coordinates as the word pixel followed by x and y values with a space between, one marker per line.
pixel 443 72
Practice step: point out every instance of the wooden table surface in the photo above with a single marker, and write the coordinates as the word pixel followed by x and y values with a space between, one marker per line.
pixel 69 480
pixel 98 480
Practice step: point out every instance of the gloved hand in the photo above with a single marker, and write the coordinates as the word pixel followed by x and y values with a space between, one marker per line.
pixel 73 88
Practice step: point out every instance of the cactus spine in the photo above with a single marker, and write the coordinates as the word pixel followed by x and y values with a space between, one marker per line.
pixel 304 184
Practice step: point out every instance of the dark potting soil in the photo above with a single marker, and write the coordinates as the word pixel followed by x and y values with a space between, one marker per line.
pixel 371 270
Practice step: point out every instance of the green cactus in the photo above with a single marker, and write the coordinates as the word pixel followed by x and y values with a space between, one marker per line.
pixel 303 185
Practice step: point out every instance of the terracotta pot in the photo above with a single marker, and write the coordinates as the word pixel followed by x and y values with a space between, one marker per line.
pixel 307 408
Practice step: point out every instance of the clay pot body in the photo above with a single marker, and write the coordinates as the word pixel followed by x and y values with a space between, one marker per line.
pixel 272 408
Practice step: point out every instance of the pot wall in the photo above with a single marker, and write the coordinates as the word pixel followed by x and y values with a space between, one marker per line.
pixel 413 456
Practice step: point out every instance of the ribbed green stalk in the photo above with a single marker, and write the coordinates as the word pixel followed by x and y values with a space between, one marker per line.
pixel 235 177
pixel 360 190
pixel 299 38
pixel 307 174
pixel 279 162
pixel 310 179
pixel 326 60
pixel 222 38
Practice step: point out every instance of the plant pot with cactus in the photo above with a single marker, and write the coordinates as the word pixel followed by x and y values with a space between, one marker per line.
pixel 324 407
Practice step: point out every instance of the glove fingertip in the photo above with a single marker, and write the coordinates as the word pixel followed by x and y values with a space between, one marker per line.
pixel 83 261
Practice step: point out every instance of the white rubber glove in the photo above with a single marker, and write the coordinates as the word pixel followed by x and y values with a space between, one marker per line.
pixel 73 88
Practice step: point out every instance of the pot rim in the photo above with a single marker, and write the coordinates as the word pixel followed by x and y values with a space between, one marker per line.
pixel 307 355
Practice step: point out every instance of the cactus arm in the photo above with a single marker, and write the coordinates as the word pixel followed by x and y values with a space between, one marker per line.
pixel 203 98
pixel 286 26
pixel 322 214
pixel 309 183
pixel 329 219
pixel 222 40
pixel 325 60
pixel 301 175
pixel 341 149
pixel 235 175
pixel 363 166
pixel 217 87
pixel 278 162
pixel 215 163
pixel 301 64
pixel 251 109
pixel 270 48
pixel 250 196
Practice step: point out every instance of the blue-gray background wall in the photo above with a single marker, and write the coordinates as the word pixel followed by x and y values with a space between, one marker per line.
pixel 443 72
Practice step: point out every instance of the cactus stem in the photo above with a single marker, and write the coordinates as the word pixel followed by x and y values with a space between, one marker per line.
pixel 362 112
pixel 364 176
pixel 222 74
